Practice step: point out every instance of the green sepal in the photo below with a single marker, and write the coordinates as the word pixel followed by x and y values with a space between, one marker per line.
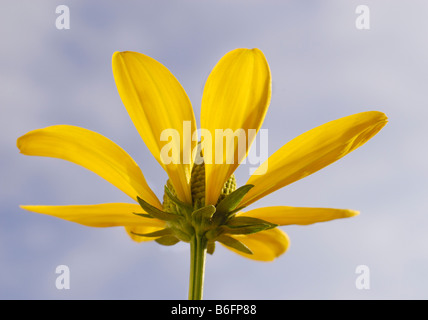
pixel 247 221
pixel 212 234
pixel 144 215
pixel 232 201
pixel 154 234
pixel 210 247
pixel 247 225
pixel 182 235
pixel 202 216
pixel 180 204
pixel 155 212
pixel 245 230
pixel 231 213
pixel 233 243
pixel 167 240
pixel 227 206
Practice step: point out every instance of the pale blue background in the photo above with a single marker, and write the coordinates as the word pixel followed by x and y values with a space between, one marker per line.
pixel 323 68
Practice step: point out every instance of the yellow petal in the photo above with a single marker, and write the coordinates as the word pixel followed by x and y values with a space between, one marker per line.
pixel 283 215
pixel 235 100
pixel 265 245
pixel 161 112
pixel 99 215
pixel 313 151
pixel 92 151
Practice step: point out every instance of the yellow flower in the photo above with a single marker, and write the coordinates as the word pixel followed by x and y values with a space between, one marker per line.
pixel 236 96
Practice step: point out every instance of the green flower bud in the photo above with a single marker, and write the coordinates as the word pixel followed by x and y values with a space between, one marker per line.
pixel 197 185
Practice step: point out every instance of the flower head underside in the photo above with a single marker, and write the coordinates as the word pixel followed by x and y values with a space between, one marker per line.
pixel 201 198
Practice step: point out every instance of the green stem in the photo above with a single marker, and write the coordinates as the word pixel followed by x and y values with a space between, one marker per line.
pixel 198 250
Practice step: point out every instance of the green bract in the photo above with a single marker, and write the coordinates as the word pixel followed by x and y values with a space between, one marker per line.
pixel 212 223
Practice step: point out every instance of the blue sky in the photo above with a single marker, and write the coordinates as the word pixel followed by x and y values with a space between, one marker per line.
pixel 323 68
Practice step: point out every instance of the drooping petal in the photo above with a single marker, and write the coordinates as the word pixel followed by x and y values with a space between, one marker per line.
pixel 312 151
pixel 234 103
pixel 282 215
pixel 100 215
pixel 265 245
pixel 161 112
pixel 92 151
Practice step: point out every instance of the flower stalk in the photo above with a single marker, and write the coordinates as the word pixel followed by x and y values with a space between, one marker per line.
pixel 198 251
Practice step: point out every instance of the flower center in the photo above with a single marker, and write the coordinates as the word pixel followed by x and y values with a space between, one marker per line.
pixel 185 221
pixel 197 183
